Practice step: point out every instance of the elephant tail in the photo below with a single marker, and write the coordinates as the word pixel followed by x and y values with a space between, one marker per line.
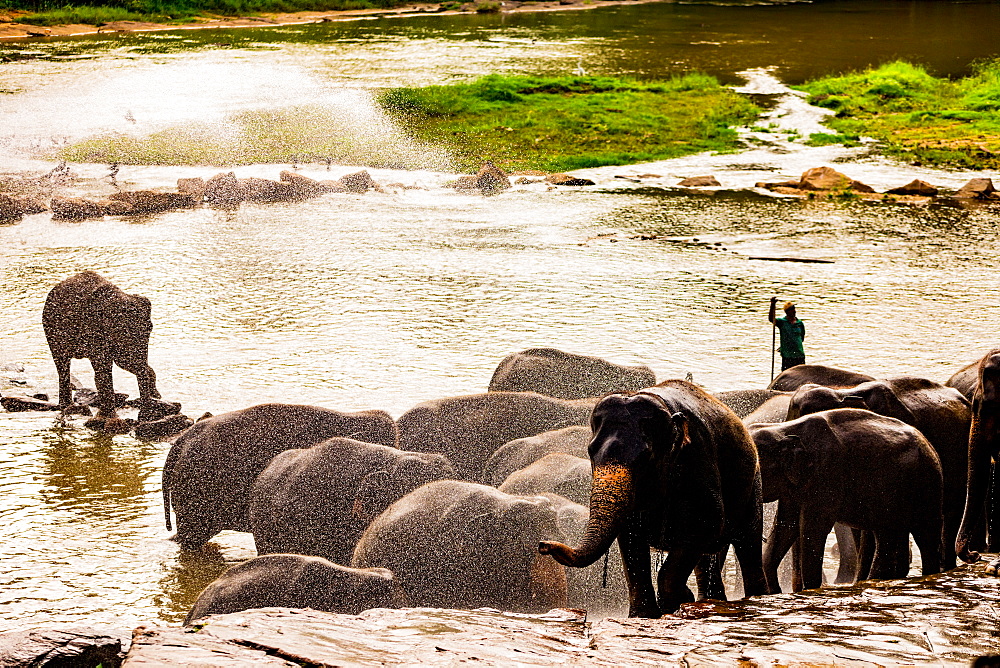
pixel 167 481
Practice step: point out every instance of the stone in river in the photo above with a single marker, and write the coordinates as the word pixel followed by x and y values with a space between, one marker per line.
pixel 977 189
pixel 19 404
pixel 700 182
pixel 162 428
pixel 567 180
pixel 64 647
pixel 915 187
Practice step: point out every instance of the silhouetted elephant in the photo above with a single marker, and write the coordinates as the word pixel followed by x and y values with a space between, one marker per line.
pixel 675 470
pixel 966 379
pixel 522 452
pixel 318 500
pixel 567 375
pixel 941 414
pixel 775 409
pixel 86 316
pixel 984 446
pixel 468 429
pixel 852 466
pixel 296 581
pixel 790 379
pixel 558 473
pixel 454 544
pixel 211 466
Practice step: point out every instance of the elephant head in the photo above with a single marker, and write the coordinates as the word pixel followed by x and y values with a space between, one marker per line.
pixel 378 489
pixel 632 434
pixel 812 398
pixel 784 462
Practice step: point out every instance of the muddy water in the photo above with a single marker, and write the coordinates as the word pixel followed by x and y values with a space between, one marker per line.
pixel 382 301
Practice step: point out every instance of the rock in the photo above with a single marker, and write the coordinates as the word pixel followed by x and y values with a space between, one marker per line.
pixel 112 207
pixel 529 172
pixel 491 180
pixel 465 183
pixel 63 647
pixel 168 426
pixel 148 201
pixel 20 404
pixel 75 208
pixel 977 189
pixel 567 180
pixel 192 187
pixel 827 178
pixel 31 205
pixel 359 182
pixel 224 189
pixel 112 426
pixel 266 190
pixel 700 182
pixel 915 187
pixel 303 185
pixel 333 186
pixel 525 180
pixel 9 209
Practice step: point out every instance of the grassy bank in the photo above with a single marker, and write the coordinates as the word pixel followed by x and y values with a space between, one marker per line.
pixel 919 118
pixel 567 123
pixel 58 12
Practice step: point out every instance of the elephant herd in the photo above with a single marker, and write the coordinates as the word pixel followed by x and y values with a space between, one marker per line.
pixel 479 500
pixel 511 498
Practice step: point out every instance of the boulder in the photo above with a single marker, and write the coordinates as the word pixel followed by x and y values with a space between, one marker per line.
pixel 524 180
pixel 9 209
pixel 69 646
pixel 332 186
pixel 915 187
pixel 30 205
pixel 303 185
pixel 75 208
pixel 266 190
pixel 977 189
pixel 112 207
pixel 20 404
pixel 700 182
pixel 148 201
pixel 567 180
pixel 827 178
pixel 162 428
pixel 359 182
pixel 224 189
pixel 193 187
pixel 490 179
pixel 465 183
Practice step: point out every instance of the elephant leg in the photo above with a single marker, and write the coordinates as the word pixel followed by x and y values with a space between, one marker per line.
pixel 993 509
pixel 748 555
pixel 708 575
pixel 930 544
pixel 65 385
pixel 866 553
pixel 847 571
pixel 673 576
pixel 638 576
pixel 105 387
pixel 891 555
pixel 814 527
pixel 784 533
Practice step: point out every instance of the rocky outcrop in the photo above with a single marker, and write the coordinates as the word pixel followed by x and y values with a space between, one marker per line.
pixel 567 180
pixel 162 428
pixel 266 190
pixel 978 189
pixel 358 182
pixel 303 185
pixel 224 190
pixel 142 202
pixel 75 208
pixel 9 210
pixel 192 187
pixel 63 647
pixel 491 179
pixel 20 403
pixel 819 179
pixel 915 187
pixel 700 182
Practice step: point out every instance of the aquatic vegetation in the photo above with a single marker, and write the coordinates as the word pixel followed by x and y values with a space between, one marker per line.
pixel 563 123
pixel 918 117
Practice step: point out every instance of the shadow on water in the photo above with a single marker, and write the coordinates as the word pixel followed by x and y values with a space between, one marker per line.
pixel 185 578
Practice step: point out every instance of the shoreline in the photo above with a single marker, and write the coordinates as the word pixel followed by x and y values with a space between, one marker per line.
pixel 12 32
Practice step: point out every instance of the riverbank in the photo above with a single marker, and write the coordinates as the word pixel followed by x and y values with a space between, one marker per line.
pixel 12 30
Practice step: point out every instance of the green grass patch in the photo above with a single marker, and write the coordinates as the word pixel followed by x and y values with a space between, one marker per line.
pixel 563 123
pixel 917 117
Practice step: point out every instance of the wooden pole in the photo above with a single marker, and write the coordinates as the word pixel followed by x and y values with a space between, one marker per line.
pixel 774 329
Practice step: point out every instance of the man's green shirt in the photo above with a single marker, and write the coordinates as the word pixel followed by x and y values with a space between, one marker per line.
pixel 792 336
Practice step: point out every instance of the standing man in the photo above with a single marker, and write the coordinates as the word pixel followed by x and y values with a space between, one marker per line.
pixel 792 332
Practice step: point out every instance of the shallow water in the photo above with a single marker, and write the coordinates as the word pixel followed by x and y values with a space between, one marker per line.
pixel 382 301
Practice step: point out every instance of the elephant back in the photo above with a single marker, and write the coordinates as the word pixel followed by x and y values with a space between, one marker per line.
pixel 522 452
pixel 567 375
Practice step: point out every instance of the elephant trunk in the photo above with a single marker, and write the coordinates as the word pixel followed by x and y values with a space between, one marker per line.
pixel 611 500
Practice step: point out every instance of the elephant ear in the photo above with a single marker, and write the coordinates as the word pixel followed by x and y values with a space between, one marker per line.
pixel 373 496
pixel 854 401
pixel 682 430
pixel 799 461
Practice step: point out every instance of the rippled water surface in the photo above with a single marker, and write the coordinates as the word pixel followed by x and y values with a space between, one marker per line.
pixel 385 300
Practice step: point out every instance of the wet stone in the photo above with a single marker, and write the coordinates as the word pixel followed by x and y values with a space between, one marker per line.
pixel 63 647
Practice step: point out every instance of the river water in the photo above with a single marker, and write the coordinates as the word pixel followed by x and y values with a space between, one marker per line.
pixel 386 300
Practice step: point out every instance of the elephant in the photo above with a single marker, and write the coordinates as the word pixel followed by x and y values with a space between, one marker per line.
pixel 456 544
pixel 773 410
pixel 318 500
pixel 852 466
pixel 297 581
pixel 211 466
pixel 966 379
pixel 566 375
pixel 674 469
pixel 522 452
pixel 984 446
pixel 600 588
pixel 790 379
pixel 558 473
pixel 86 316
pixel 469 428
pixel 745 402
pixel 941 414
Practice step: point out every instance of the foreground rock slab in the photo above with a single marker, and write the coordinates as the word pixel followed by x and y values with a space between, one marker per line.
pixel 70 646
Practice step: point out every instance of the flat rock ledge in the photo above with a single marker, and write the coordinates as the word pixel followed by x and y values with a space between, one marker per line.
pixel 937 619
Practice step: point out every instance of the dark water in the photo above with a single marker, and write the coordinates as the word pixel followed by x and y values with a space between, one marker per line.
pixel 382 301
